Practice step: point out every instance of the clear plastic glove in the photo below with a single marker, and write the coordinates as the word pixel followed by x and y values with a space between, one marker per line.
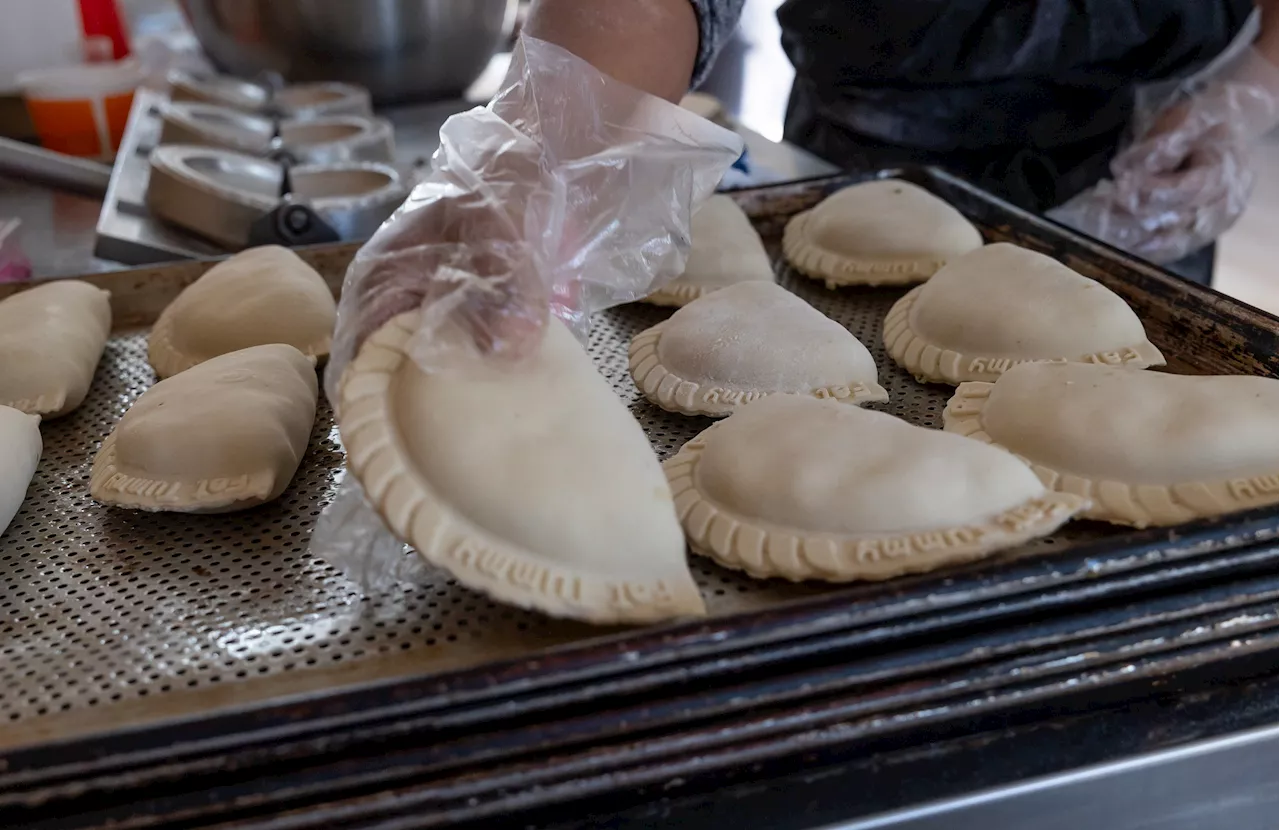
pixel 1187 177
pixel 571 192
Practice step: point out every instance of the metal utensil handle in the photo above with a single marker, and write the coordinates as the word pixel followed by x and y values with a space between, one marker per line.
pixel 35 164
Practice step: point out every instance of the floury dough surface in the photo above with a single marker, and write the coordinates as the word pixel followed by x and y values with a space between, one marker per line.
pixel 746 342
pixel 1003 305
pixel 803 488
pixel 854 471
pixel 259 296
pixel 532 483
pixel 51 338
pixel 224 435
pixel 1140 427
pixel 726 250
pixel 20 447
pixel 880 232
pixel 1007 301
pixel 1148 448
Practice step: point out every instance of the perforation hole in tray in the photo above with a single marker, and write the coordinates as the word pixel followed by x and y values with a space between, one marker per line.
pixel 102 607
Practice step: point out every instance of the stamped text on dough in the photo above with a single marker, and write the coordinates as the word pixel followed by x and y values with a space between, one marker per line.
pixel 1252 488
pixel 161 490
pixel 497 564
pixel 1015 521
pixel 718 394
pixel 1000 365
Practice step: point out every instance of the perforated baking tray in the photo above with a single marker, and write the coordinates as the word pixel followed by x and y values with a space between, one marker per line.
pixel 112 618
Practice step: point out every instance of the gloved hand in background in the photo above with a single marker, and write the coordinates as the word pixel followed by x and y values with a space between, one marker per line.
pixel 1187 177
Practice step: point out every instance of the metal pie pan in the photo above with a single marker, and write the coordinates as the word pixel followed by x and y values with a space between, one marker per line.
pixel 309 101
pixel 219 89
pixel 214 125
pixel 353 197
pixel 214 193
pixel 218 194
pixel 337 138
pixel 324 140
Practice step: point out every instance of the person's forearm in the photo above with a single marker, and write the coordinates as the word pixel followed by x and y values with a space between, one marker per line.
pixel 1269 36
pixel 649 44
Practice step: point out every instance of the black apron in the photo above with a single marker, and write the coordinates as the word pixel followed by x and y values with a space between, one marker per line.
pixel 1028 99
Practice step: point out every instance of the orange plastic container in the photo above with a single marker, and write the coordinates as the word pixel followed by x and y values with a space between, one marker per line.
pixel 81 110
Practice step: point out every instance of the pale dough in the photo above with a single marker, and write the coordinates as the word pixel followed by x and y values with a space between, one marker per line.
pixel 726 250
pixel 20 447
pixel 531 483
pixel 746 342
pixel 806 489
pixel 886 232
pixel 224 435
pixel 1147 448
pixel 51 338
pixel 262 295
pixel 1004 305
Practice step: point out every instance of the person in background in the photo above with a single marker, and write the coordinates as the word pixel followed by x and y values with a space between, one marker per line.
pixel 1030 99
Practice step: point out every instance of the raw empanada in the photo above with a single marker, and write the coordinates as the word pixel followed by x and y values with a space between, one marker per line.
pixel 20 447
pixel 1147 448
pixel 747 342
pixel 224 435
pixel 532 483
pixel 886 232
pixel 808 489
pixel 1003 305
pixel 262 295
pixel 726 250
pixel 51 338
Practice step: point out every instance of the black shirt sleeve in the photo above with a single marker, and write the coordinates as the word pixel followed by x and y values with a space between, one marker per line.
pixel 716 22
pixel 962 42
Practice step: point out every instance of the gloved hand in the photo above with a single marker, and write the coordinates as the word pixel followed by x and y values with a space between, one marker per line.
pixel 569 193
pixel 1187 178
pixel 457 249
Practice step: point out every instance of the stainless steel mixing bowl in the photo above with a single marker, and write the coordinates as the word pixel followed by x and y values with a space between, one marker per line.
pixel 399 49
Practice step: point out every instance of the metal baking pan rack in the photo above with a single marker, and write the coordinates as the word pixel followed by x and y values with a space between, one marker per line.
pixel 113 620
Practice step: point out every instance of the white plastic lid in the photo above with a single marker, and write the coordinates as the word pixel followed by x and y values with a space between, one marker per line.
pixel 81 81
